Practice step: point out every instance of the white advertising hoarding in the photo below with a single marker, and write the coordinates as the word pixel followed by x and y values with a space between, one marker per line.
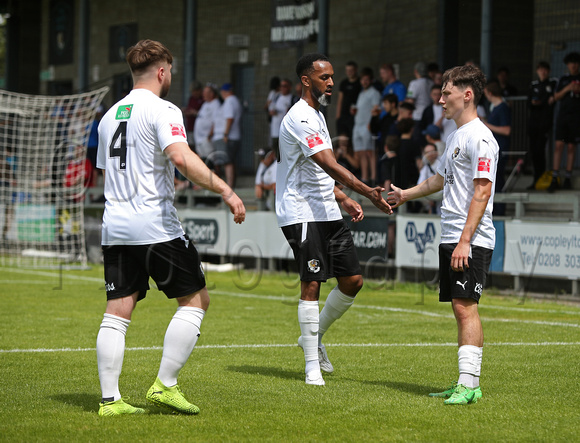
pixel 550 249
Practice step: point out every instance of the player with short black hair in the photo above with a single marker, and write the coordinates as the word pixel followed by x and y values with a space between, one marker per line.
pixel 466 174
pixel 141 141
pixel 308 212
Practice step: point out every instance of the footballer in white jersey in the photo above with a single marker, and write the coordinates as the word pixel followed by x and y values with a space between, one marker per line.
pixel 139 186
pixel 467 175
pixel 141 142
pixel 471 152
pixel 307 208
pixel 305 192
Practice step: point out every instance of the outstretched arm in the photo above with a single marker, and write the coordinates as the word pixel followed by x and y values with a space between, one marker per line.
pixel 399 196
pixel 326 160
pixel 195 170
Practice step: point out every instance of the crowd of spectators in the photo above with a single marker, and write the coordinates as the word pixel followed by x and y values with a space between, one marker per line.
pixel 388 131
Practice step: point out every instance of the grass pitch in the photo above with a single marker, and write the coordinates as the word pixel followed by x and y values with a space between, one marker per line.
pixel 394 346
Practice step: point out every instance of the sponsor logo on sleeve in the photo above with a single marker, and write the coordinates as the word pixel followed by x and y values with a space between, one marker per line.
pixel 177 130
pixel 314 140
pixel 123 112
pixel 484 164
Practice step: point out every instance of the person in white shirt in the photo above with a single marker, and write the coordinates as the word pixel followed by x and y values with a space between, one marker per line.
pixel 430 163
pixel 419 90
pixel 467 175
pixel 203 126
pixel 279 106
pixel 363 144
pixel 142 140
pixel 227 135
pixel 307 209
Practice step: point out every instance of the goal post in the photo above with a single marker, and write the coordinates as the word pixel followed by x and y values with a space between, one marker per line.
pixel 43 177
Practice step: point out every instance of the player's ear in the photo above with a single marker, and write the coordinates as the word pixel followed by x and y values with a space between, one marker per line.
pixel 467 95
pixel 305 80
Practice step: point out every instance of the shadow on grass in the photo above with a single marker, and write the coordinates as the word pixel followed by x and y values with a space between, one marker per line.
pixel 90 403
pixel 411 388
pixel 84 401
pixel 267 371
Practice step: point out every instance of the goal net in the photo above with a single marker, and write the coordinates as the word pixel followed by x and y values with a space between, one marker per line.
pixel 44 173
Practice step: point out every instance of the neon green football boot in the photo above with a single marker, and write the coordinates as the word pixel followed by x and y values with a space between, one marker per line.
pixel 170 398
pixel 119 407
pixel 446 393
pixel 462 395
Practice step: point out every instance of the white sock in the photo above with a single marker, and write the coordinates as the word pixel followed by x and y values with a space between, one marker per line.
pixel 336 304
pixel 308 318
pixel 478 369
pixel 180 339
pixel 110 351
pixel 469 358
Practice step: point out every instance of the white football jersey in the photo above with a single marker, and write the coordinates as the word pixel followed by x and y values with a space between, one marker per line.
pixel 471 152
pixel 304 192
pixel 139 186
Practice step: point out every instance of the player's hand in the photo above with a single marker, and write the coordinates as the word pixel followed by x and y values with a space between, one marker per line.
pixel 460 257
pixel 395 197
pixel 236 206
pixel 353 209
pixel 376 197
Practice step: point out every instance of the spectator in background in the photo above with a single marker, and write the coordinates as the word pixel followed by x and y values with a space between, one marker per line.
pixel 348 91
pixel 92 146
pixel 345 156
pixel 405 111
pixel 265 178
pixel 434 73
pixel 393 85
pixel 433 115
pixel 230 115
pixel 503 78
pixel 568 120
pixel 192 109
pixel 499 122
pixel 279 106
pixel 419 90
pixel 430 162
pixel 389 167
pixel 541 104
pixel 362 139
pixel 274 89
pixel 382 121
pixel 409 154
pixel 203 127
pixel 433 136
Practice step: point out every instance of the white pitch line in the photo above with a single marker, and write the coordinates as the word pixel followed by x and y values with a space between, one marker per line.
pixel 404 310
pixel 294 299
pixel 285 345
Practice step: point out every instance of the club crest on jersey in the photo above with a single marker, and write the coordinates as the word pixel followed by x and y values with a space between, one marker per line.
pixel 124 112
pixel 455 153
pixel 313 266
pixel 314 140
pixel 177 129
pixel 484 164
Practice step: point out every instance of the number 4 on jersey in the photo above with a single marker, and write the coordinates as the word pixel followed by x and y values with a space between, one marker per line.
pixel 118 146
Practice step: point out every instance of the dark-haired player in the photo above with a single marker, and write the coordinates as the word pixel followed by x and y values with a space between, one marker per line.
pixel 309 215
pixel 466 174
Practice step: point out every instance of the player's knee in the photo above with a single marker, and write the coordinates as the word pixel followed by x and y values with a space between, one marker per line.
pixel 351 285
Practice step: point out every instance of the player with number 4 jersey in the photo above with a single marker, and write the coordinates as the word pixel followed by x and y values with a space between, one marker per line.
pixel 141 142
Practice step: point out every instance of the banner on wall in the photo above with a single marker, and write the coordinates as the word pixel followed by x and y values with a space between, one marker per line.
pixel 294 22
